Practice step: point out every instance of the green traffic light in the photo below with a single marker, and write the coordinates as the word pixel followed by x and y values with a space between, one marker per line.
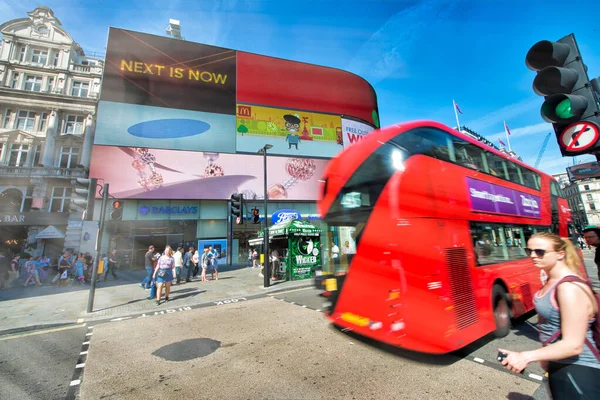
pixel 563 109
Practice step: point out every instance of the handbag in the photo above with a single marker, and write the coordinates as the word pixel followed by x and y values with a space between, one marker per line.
pixel 162 273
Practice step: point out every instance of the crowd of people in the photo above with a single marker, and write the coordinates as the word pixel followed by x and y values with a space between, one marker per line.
pixel 69 268
pixel 163 270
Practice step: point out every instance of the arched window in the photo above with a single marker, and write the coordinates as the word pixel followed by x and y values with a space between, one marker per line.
pixel 10 201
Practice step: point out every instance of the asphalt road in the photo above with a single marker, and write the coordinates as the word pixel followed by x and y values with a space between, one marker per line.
pixel 269 348
pixel 39 365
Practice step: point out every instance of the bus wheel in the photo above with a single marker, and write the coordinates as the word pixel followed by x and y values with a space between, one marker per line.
pixel 501 311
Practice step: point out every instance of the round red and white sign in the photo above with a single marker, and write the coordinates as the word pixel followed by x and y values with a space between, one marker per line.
pixel 579 136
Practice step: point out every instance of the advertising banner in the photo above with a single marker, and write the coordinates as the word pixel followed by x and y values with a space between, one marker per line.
pixel 584 171
pixel 298 86
pixel 162 72
pixel 164 128
pixel 290 132
pixel 144 173
pixel 305 256
pixel 489 197
pixel 354 131
pixel 219 247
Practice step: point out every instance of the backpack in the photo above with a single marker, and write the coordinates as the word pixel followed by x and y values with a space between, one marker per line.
pixel 595 326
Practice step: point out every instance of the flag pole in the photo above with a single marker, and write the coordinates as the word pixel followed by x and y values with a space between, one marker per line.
pixel 507 138
pixel 456 114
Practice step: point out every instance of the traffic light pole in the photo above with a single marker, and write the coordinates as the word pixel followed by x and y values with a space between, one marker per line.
pixel 267 261
pixel 229 234
pixel 90 305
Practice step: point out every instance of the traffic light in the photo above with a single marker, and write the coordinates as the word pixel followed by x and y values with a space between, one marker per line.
pixel 116 212
pixel 570 101
pixel 82 198
pixel 237 207
pixel 255 216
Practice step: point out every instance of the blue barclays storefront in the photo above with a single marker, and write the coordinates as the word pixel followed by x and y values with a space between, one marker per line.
pixel 188 223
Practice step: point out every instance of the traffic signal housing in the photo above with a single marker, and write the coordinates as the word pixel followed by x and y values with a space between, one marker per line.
pixel 570 101
pixel 237 207
pixel 116 212
pixel 255 216
pixel 82 198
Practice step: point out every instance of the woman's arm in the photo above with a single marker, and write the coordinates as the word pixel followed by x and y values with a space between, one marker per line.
pixel 575 310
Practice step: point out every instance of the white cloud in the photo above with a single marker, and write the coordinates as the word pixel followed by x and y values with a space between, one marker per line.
pixel 505 113
pixel 518 133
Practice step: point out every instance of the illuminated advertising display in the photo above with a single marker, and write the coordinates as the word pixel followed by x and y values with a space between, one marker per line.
pixel 354 131
pixel 143 173
pixel 290 132
pixel 584 171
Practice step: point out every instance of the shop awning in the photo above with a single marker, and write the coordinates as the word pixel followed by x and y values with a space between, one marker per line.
pixel 51 232
pixel 294 227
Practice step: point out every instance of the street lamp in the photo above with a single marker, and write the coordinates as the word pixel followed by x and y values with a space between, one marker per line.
pixel 266 272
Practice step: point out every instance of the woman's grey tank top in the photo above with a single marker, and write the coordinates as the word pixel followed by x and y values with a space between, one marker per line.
pixel 549 323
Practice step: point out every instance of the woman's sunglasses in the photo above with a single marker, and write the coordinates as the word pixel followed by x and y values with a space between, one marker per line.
pixel 538 252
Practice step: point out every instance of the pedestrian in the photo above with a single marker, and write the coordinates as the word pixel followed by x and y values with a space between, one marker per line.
pixel 566 311
pixel 196 261
pixel 4 267
pixel 149 267
pixel 203 264
pixel 13 272
pixel 213 256
pixel 31 273
pixel 592 238
pixel 249 257
pixel 110 264
pixel 189 264
pixel 164 274
pixel 178 257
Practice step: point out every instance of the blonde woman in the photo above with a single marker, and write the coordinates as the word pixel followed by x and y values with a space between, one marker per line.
pixel 203 262
pixel 163 274
pixel 566 310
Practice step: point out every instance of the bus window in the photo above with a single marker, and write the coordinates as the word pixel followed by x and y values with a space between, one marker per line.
pixel 530 179
pixel 494 243
pixel 513 172
pixel 496 165
pixel 469 155
pixel 427 141
pixel 554 190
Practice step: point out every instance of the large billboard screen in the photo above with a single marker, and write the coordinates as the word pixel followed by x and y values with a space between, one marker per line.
pixel 290 132
pixel 156 71
pixel 143 173
pixel 584 171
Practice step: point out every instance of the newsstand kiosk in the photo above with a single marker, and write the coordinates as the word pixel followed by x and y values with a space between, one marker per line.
pixel 295 247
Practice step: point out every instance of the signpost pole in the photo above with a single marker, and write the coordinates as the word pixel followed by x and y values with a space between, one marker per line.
pixel 266 272
pixel 90 305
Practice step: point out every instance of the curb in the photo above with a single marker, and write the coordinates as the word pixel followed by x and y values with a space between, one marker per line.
pixel 30 328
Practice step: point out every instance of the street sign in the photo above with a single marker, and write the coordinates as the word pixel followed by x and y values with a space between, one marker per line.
pixel 579 136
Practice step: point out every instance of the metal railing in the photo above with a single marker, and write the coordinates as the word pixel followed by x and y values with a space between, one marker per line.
pixel 54 172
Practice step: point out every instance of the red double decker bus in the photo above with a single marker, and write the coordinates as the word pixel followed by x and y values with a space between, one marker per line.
pixel 430 227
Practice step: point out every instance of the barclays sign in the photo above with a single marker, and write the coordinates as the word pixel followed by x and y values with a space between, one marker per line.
pixel 145 210
pixel 284 215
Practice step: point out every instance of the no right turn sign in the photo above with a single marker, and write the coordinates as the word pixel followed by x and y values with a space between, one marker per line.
pixel 579 136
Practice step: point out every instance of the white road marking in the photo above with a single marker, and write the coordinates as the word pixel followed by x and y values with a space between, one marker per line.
pixel 75 383
pixel 479 360
pixel 80 365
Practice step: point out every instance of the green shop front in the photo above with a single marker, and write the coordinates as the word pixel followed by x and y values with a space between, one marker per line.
pixel 295 248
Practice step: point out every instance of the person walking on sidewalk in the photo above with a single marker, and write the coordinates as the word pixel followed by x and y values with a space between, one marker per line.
pixel 149 260
pixel 13 272
pixel 203 263
pixel 4 267
pixel 178 257
pixel 164 274
pixel 592 237
pixel 110 264
pixel 188 263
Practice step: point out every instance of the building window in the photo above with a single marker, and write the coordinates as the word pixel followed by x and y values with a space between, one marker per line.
pixel 25 121
pixel 61 197
pixel 592 206
pixel 55 61
pixel 2 146
pixel 15 80
pixel 18 155
pixel 80 89
pixel 37 155
pixel 69 157
pixel 33 83
pixel 22 53
pixel 6 120
pixel 27 200
pixel 50 85
pixel 73 125
pixel 43 122
pixel 590 197
pixel 586 187
pixel 39 56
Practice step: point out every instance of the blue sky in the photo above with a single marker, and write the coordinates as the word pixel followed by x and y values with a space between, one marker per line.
pixel 418 55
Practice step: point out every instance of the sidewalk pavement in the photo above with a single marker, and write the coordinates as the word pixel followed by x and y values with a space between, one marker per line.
pixel 39 307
